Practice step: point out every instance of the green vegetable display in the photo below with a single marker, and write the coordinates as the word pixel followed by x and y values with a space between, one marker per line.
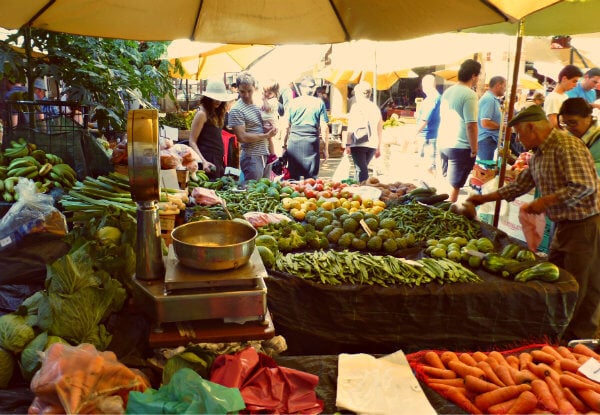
pixel 345 267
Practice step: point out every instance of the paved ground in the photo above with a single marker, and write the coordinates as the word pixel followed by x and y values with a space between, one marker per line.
pixel 393 165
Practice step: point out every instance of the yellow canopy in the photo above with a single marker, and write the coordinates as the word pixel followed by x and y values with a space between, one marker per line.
pixel 278 22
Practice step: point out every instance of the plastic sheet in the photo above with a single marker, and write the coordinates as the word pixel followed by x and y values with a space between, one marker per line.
pixel 186 393
pixel 265 386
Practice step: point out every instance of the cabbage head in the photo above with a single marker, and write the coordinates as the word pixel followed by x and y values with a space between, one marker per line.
pixel 15 333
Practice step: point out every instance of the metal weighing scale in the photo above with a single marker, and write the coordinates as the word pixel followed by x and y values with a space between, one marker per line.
pixel 164 289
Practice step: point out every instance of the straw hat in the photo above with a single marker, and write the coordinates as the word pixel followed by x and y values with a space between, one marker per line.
pixel 215 89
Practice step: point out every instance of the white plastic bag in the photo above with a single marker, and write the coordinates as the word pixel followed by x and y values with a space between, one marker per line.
pixel 33 212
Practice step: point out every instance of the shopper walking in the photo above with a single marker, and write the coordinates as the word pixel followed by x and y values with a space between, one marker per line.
pixel 364 121
pixel 457 135
pixel 567 80
pixel 306 120
pixel 490 118
pixel 576 117
pixel 428 121
pixel 246 123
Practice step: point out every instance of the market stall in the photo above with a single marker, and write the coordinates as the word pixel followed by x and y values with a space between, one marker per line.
pixel 318 319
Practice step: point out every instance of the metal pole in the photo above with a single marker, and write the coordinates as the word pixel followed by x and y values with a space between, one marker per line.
pixel 507 132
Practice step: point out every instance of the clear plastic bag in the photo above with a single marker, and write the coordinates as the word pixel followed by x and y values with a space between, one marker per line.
pixel 33 212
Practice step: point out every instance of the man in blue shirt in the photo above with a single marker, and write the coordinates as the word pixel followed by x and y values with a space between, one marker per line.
pixel 490 118
pixel 428 120
pixel 586 87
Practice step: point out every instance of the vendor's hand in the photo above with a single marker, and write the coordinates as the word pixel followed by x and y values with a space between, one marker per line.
pixel 207 166
pixel 536 207
pixel 477 199
pixel 377 152
pixel 347 150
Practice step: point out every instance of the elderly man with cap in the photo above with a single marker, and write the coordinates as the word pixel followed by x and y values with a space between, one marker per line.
pixel 563 171
pixel 39 91
pixel 306 118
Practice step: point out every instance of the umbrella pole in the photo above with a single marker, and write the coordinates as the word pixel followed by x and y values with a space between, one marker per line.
pixel 511 106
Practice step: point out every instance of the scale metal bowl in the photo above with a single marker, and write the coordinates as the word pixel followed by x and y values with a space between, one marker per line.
pixel 214 244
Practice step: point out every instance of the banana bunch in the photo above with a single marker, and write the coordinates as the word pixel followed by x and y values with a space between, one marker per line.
pixel 18 148
pixel 46 169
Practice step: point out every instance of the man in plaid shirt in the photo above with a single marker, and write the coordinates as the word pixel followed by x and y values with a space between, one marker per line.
pixel 562 169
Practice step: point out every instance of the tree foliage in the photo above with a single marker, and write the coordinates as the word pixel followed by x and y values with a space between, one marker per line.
pixel 98 72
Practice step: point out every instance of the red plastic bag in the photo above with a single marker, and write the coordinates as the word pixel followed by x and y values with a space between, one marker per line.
pixel 533 228
pixel 265 386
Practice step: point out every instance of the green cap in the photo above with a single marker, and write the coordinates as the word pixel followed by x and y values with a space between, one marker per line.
pixel 532 113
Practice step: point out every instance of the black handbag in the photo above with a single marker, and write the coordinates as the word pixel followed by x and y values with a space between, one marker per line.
pixel 278 165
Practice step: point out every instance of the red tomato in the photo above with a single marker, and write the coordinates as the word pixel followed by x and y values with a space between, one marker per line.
pixel 318 187
pixel 326 194
pixel 320 181
pixel 310 181
pixel 310 193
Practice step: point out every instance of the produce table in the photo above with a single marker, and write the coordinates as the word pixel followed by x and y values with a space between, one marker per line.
pixel 319 319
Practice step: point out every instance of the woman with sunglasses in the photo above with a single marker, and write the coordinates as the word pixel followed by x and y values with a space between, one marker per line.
pixel 575 116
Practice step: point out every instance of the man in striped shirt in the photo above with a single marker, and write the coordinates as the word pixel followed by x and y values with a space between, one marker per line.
pixel 562 169
pixel 246 123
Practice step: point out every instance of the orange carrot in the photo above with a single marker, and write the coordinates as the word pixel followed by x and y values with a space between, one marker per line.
pixel 467 359
pixel 504 374
pixel 477 385
pixel 433 359
pixel 434 372
pixel 569 365
pixel 542 357
pixel 565 352
pixel 442 388
pixel 551 351
pixel 575 381
pixel 447 356
pixel 499 357
pixel 524 403
pixel 515 374
pixel 460 398
pixel 513 361
pixel 458 382
pixel 487 399
pixel 524 376
pixel 564 406
pixel 490 375
pixel 586 351
pixel 577 403
pixel 479 356
pixel 541 390
pixel 590 397
pixel 502 407
pixel 541 370
pixel 524 358
pixel 463 370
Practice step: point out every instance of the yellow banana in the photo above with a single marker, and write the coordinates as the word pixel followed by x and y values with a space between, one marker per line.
pixel 45 169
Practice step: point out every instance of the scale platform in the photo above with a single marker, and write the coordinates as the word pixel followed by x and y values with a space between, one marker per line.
pixel 186 294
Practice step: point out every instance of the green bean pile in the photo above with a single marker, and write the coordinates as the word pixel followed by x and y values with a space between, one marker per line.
pixel 346 267
pixel 239 203
pixel 430 222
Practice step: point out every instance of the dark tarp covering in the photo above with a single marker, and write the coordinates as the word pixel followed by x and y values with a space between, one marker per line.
pixel 319 319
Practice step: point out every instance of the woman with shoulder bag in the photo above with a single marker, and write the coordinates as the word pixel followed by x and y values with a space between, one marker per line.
pixel 365 127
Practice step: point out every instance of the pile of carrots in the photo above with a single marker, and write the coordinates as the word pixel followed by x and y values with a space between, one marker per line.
pixel 80 379
pixel 540 379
